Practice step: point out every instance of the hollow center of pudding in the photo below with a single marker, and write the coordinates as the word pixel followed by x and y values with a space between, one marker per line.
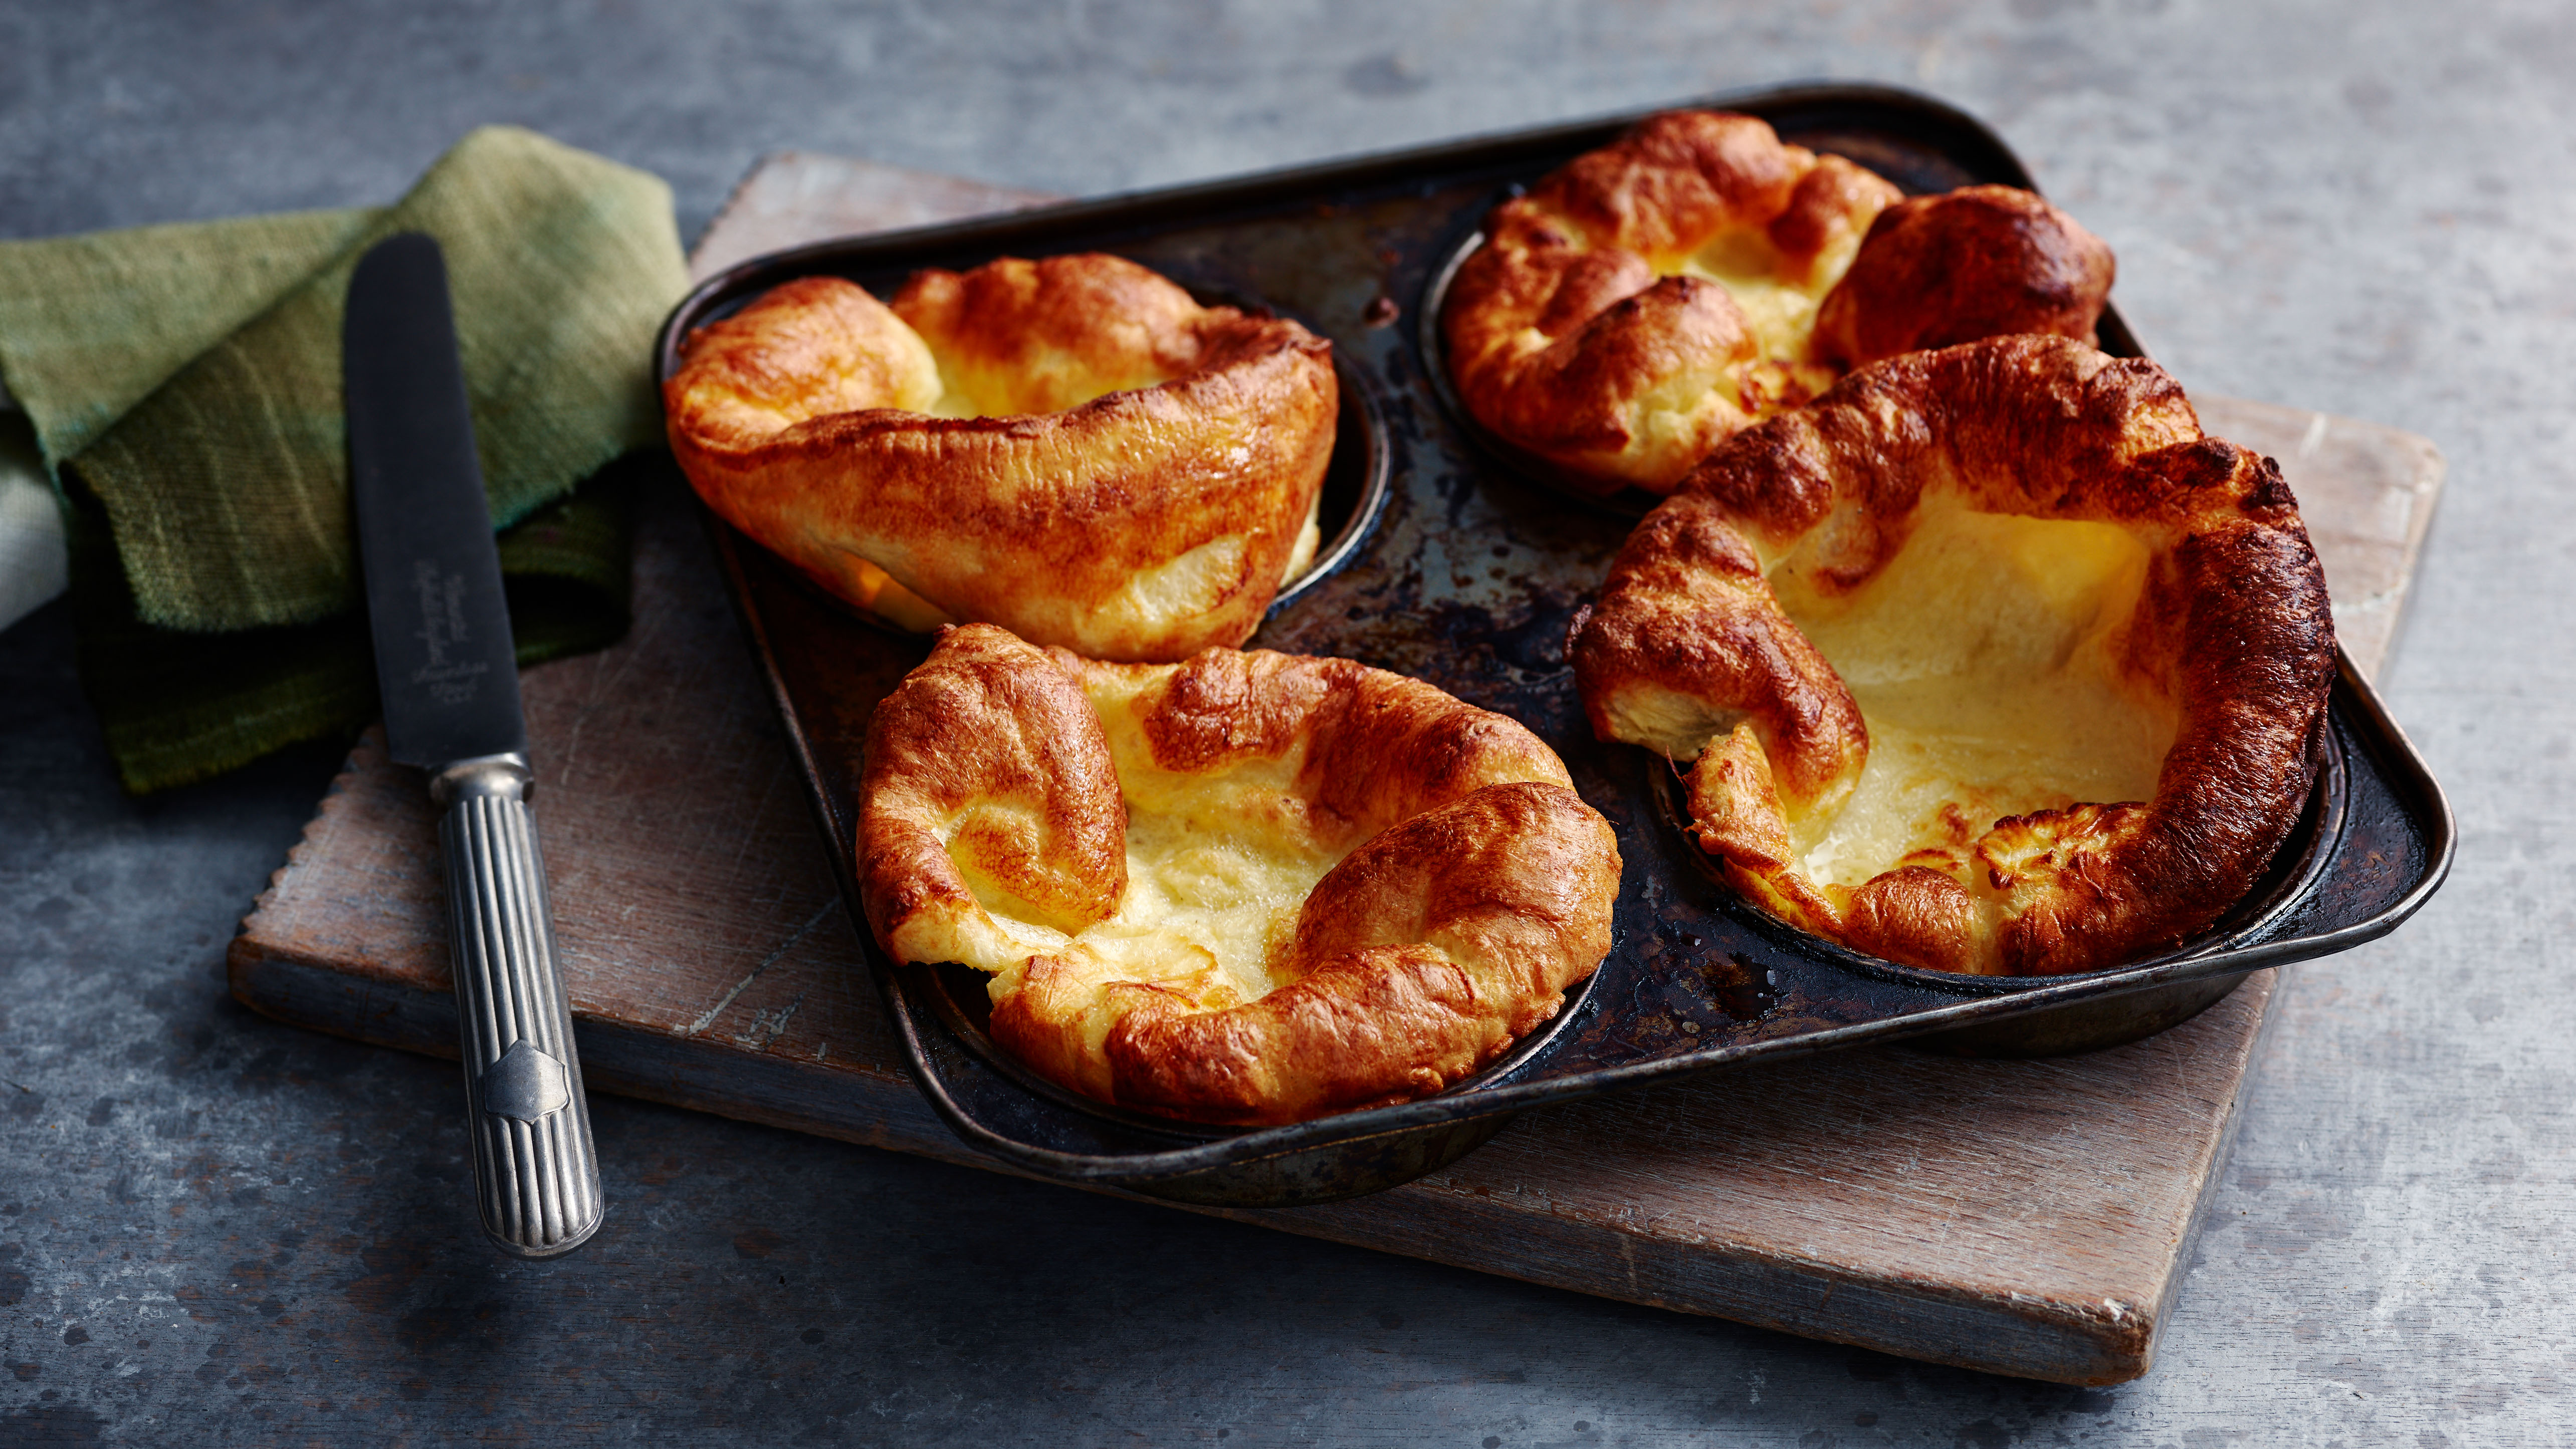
pixel 1778 300
pixel 1986 658
pixel 1021 376
pixel 1209 906
pixel 1778 297
pixel 1219 865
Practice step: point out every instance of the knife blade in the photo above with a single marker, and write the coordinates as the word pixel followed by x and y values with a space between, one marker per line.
pixel 450 682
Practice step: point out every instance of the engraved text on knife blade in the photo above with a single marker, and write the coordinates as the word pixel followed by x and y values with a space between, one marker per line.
pixel 442 626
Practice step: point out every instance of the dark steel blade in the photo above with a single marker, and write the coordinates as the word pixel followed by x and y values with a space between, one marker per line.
pixel 444 661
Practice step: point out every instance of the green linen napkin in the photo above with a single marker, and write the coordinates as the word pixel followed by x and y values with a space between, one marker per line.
pixel 185 386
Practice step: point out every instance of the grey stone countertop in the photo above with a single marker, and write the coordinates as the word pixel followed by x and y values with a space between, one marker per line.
pixel 214 1229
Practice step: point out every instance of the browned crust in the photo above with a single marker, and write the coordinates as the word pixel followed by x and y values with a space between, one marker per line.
pixel 1574 264
pixel 986 727
pixel 1564 340
pixel 1981 261
pixel 2037 426
pixel 1687 561
pixel 2233 625
pixel 1670 182
pixel 1479 888
pixel 1913 915
pixel 798 419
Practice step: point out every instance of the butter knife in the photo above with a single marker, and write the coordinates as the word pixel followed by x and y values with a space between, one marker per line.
pixel 450 681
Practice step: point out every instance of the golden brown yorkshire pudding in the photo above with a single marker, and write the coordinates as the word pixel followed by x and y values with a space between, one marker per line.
pixel 1989 660
pixel 1248 888
pixel 1650 299
pixel 1072 448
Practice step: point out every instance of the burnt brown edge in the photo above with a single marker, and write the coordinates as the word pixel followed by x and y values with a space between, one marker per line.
pixel 2056 1342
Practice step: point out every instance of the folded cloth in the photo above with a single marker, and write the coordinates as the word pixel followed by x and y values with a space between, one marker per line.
pixel 31 527
pixel 184 383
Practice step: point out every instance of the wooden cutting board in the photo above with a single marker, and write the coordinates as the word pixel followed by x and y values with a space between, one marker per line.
pixel 2027 1218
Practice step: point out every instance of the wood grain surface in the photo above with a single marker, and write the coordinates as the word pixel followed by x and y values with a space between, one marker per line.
pixel 2027 1218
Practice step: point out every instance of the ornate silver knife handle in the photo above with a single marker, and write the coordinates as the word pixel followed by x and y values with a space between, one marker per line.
pixel 536 1172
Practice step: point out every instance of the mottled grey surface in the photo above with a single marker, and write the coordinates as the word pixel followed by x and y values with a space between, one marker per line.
pixel 213 1229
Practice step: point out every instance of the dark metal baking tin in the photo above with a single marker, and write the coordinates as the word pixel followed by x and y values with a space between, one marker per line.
pixel 1468 579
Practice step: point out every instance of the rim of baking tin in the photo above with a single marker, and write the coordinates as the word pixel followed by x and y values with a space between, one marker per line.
pixel 1376 470
pixel 2396 763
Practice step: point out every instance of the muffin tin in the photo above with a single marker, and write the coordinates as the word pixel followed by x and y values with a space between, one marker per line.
pixel 1449 562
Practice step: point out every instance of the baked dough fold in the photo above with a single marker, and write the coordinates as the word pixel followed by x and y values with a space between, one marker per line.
pixel 1650 299
pixel 1904 633
pixel 1248 888
pixel 1072 448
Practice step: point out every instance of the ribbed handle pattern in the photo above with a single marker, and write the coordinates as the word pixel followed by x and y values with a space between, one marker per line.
pixel 536 1171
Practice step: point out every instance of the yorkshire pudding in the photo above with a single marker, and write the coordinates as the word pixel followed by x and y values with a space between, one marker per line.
pixel 1248 888
pixel 1649 299
pixel 1988 659
pixel 1072 448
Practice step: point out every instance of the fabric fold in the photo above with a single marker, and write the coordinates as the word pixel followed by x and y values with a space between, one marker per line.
pixel 184 386
pixel 227 487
